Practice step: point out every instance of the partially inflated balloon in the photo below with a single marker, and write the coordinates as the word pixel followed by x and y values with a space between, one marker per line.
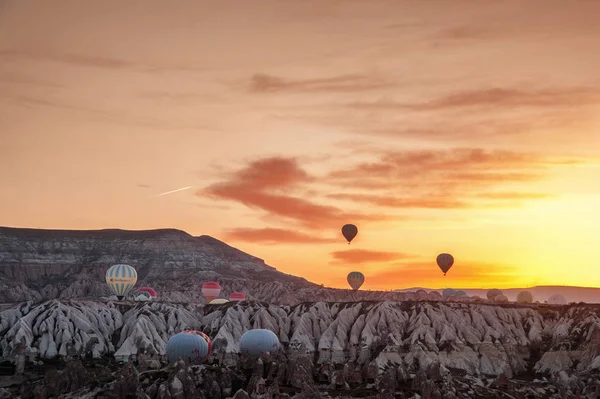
pixel 257 342
pixel 557 299
pixel 524 297
pixel 211 290
pixel 349 231
pixel 188 346
pixel 121 279
pixel 494 292
pixel 150 291
pixel 445 262
pixel 237 297
pixel 356 279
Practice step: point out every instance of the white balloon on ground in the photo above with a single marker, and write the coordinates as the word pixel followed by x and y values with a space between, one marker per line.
pixel 187 346
pixel 557 299
pixel 258 341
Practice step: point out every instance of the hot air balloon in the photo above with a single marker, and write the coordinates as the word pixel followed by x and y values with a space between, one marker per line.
pixel 237 297
pixel 445 262
pixel 494 292
pixel 218 301
pixel 449 292
pixel 121 279
pixel 189 346
pixel 150 291
pixel 460 293
pixel 256 342
pixel 211 290
pixel 501 298
pixel 349 231
pixel 421 293
pixel 524 297
pixel 355 279
pixel 557 299
pixel 206 337
pixel 142 296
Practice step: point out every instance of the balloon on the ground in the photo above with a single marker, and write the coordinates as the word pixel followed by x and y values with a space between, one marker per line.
pixel 206 337
pixel 524 297
pixel 142 297
pixel 121 279
pixel 188 346
pixel 445 262
pixel 557 299
pixel 237 297
pixel 491 294
pixel 349 231
pixel 421 293
pixel 501 298
pixel 211 290
pixel 218 301
pixel 257 342
pixel 355 279
pixel 150 291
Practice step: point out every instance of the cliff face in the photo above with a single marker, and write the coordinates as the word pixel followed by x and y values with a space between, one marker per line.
pixel 355 343
pixel 43 264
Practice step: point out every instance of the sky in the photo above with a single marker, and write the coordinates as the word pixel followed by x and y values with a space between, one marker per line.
pixel 468 127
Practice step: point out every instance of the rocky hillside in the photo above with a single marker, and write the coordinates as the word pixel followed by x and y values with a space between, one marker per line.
pixel 46 264
pixel 371 348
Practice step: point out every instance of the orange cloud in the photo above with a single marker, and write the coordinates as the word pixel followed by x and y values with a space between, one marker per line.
pixel 442 179
pixel 265 184
pixel 357 256
pixel 275 236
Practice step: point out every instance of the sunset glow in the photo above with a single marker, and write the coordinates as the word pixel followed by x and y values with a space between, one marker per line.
pixel 441 126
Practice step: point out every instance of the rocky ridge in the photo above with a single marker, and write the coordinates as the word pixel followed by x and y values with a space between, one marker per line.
pixel 339 348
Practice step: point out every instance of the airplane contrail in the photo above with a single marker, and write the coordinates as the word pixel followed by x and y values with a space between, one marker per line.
pixel 174 191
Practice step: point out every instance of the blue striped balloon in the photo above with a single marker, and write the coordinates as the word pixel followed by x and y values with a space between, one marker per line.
pixel 121 279
pixel 258 341
pixel 188 346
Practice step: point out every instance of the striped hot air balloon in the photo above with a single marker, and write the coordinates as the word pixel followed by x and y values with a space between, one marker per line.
pixel 121 279
pixel 237 297
pixel 445 262
pixel 355 279
pixel 211 290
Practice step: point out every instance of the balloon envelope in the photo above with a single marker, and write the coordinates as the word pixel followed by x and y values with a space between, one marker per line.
pixel 189 346
pixel 557 299
pixel 449 292
pixel 494 292
pixel 355 279
pixel 237 296
pixel 218 301
pixel 121 279
pixel 501 298
pixel 524 297
pixel 445 262
pixel 211 290
pixel 151 292
pixel 258 341
pixel 142 297
pixel 349 231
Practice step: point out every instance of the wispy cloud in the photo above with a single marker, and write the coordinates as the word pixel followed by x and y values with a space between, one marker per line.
pixel 272 236
pixel 359 256
pixel 264 83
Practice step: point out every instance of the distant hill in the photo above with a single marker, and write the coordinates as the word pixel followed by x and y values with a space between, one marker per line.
pixel 540 293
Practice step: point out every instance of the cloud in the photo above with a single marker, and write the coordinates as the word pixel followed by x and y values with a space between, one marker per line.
pixel 267 184
pixel 496 97
pixel 442 179
pixel 358 256
pixel 276 236
pixel 264 83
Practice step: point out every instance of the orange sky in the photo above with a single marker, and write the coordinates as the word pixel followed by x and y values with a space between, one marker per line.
pixel 471 127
